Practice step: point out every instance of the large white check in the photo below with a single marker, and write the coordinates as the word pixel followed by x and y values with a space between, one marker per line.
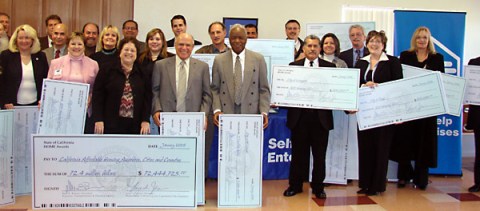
pixel 472 92
pixel 454 87
pixel 401 100
pixel 113 171
pixel 315 87
pixel 63 108
pixel 7 190
pixel 240 146
pixel 188 124
pixel 26 119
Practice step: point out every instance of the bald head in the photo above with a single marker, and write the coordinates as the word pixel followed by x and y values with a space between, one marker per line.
pixel 59 35
pixel 184 45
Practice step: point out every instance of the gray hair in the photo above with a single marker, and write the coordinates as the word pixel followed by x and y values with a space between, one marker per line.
pixel 312 37
pixel 356 26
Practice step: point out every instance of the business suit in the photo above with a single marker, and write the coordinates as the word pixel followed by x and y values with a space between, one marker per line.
pixel 417 140
pixel 347 56
pixel 44 42
pixel 473 122
pixel 198 97
pixel 107 95
pixel 374 144
pixel 12 75
pixel 255 88
pixel 50 53
pixel 310 129
pixel 300 49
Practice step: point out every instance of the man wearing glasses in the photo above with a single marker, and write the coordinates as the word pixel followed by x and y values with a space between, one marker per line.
pixel 130 29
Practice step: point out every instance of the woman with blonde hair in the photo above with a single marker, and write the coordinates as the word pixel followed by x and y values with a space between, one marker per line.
pixel 417 140
pixel 24 68
pixel 107 52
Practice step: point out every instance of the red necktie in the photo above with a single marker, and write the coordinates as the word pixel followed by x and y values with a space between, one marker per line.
pixel 57 54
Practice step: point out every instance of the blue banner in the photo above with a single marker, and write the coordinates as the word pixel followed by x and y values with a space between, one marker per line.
pixel 448 35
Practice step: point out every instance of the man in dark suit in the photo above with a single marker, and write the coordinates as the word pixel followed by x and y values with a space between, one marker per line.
pixel 166 79
pixel 310 129
pixel 474 123
pixel 50 22
pixel 239 81
pixel 358 50
pixel 179 25
pixel 292 30
pixel 130 30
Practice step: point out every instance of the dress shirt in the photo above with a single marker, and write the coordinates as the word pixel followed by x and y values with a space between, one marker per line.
pixel 177 70
pixel 307 62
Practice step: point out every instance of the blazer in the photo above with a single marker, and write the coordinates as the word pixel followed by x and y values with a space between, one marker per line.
pixel 108 91
pixel 347 56
pixel 43 42
pixel 171 42
pixel 60 70
pixel 434 62
pixel 12 75
pixel 389 70
pixel 255 87
pixel 50 52
pixel 198 97
pixel 325 116
pixel 473 121
pixel 300 50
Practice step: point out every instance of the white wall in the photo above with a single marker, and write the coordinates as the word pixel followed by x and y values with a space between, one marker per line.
pixel 273 14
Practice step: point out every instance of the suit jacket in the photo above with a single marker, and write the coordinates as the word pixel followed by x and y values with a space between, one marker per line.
pixel 434 62
pixel 108 91
pixel 171 42
pixel 347 56
pixel 44 42
pixel 60 70
pixel 255 87
pixel 198 97
pixel 473 120
pixel 300 50
pixel 12 75
pixel 50 53
pixel 386 70
pixel 325 116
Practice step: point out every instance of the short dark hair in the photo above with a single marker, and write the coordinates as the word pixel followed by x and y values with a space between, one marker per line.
pixel 130 21
pixel 52 17
pixel 216 22
pixel 83 29
pixel 5 14
pixel 292 21
pixel 178 17
pixel 250 25
pixel 128 40
pixel 380 35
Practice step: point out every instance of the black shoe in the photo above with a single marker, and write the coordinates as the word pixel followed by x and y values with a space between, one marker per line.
pixel 421 187
pixel 320 194
pixel 291 192
pixel 362 191
pixel 474 188
pixel 401 183
pixel 371 193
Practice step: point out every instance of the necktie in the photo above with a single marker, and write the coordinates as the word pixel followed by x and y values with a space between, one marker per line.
pixel 182 87
pixel 356 58
pixel 57 54
pixel 238 81
pixel 311 63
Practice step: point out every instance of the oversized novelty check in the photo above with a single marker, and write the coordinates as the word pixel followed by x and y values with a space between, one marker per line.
pixel 7 190
pixel 454 87
pixel 401 100
pixel 472 92
pixel 188 124
pixel 240 146
pixel 26 119
pixel 63 108
pixel 315 87
pixel 113 171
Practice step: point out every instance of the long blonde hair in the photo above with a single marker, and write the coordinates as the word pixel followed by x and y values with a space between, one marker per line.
pixel 413 41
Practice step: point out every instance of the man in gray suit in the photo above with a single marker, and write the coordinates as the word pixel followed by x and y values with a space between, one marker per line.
pixel 167 77
pixel 239 82
pixel 60 38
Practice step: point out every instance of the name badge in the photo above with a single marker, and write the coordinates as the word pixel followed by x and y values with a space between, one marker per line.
pixel 57 72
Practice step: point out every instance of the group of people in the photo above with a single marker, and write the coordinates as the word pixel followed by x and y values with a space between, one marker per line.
pixel 132 81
